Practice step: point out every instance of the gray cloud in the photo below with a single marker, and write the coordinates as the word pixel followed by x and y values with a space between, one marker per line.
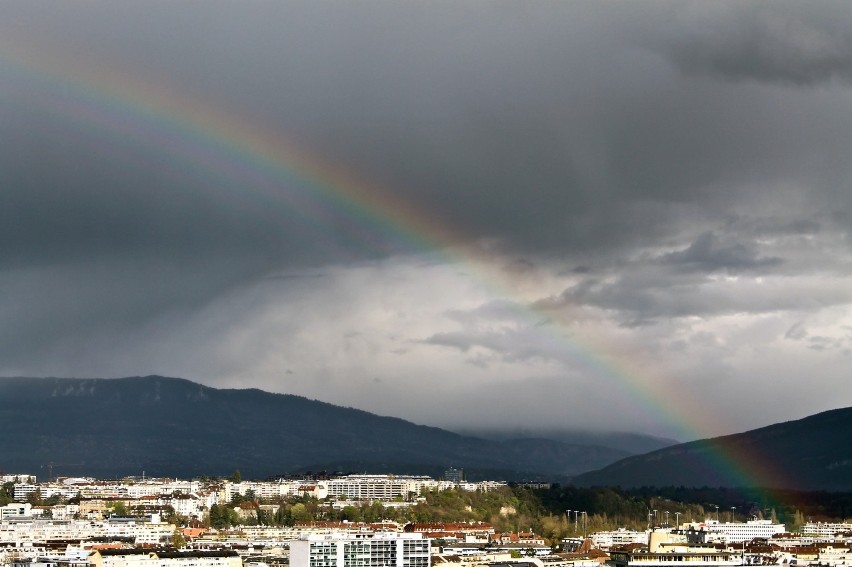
pixel 709 253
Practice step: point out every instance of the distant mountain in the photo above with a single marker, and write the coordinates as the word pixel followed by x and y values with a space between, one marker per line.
pixel 814 453
pixel 174 427
pixel 631 443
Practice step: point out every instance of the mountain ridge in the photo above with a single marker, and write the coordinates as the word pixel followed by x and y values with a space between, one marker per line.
pixel 811 453
pixel 175 427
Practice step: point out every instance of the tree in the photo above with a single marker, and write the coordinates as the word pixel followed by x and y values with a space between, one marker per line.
pixel 34 497
pixel 117 508
pixel 352 514
pixel 798 522
pixel 7 493
pixel 299 513
pixel 222 516
pixel 177 539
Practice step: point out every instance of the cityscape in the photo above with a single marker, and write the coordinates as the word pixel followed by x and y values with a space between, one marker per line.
pixel 231 522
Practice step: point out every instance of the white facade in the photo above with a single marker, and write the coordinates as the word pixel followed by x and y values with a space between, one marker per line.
pixel 27 478
pixel 621 536
pixel 139 558
pixel 15 509
pixel 735 532
pixel 377 487
pixel 21 490
pixel 28 530
pixel 384 549
pixel 281 488
pixel 835 556
pixel 825 529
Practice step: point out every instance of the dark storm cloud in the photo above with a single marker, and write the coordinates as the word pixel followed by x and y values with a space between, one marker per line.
pixel 778 42
pixel 547 126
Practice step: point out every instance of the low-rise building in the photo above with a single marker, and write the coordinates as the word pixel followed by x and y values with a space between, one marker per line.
pixel 15 509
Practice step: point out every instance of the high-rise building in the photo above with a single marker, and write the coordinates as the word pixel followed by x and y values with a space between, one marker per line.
pixel 365 549
pixel 453 474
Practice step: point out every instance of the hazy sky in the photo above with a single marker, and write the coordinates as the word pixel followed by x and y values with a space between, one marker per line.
pixel 616 215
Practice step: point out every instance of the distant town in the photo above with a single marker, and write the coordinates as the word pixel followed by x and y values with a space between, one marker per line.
pixel 362 520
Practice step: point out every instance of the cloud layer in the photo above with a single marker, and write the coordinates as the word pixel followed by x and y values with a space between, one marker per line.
pixel 593 214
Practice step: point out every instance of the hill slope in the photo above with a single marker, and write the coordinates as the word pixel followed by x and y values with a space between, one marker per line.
pixel 174 427
pixel 814 453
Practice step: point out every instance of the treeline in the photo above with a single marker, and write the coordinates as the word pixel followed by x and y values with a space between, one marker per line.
pixel 508 509
pixel 561 511
pixel 635 507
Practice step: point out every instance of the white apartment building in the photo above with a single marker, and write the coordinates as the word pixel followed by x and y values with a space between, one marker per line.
pixel 825 530
pixel 161 488
pixel 21 490
pixel 144 558
pixel 621 536
pixel 15 509
pixel 735 532
pixel 835 556
pixel 27 478
pixel 58 489
pixel 379 487
pixel 143 532
pixel 23 530
pixel 281 488
pixel 367 549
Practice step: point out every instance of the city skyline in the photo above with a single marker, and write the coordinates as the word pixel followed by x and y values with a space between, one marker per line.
pixel 584 215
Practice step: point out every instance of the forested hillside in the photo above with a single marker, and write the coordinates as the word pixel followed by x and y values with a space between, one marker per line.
pixel 513 508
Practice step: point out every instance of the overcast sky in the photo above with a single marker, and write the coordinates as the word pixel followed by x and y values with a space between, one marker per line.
pixel 613 215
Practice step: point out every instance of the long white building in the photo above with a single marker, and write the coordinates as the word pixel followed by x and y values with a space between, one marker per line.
pixel 379 487
pixel 735 532
pixel 621 536
pixel 145 558
pixel 826 530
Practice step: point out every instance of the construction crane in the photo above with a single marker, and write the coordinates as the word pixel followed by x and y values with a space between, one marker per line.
pixel 51 465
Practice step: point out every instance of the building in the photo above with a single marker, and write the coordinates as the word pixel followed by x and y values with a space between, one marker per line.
pixel 163 558
pixel 366 549
pixel 15 509
pixel 619 537
pixel 665 549
pixel 21 491
pixel 826 530
pixel 732 532
pixel 378 487
pixel 455 475
pixel 17 478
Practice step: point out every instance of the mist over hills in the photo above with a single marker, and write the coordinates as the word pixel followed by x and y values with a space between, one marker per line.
pixel 813 453
pixel 633 443
pixel 175 427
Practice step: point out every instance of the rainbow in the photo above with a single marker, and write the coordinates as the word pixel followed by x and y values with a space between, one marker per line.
pixel 317 192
